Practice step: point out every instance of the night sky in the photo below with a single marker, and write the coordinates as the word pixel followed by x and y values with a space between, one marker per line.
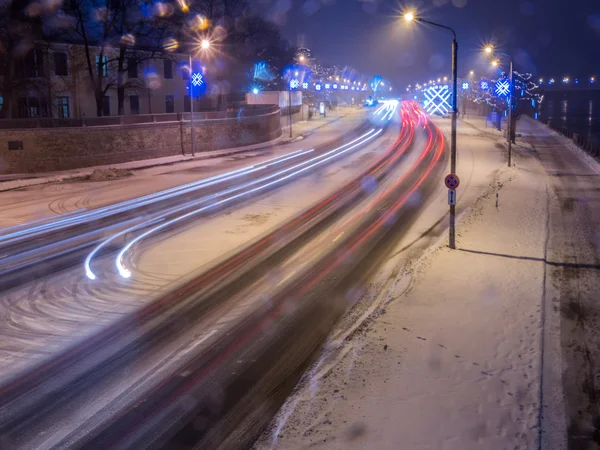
pixel 551 38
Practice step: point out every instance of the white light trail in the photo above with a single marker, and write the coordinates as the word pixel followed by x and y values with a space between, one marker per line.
pixel 102 212
pixel 119 260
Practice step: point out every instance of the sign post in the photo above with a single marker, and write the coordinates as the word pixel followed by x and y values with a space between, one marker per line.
pixel 452 182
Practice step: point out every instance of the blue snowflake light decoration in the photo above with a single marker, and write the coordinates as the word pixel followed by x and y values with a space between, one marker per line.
pixel 437 100
pixel 502 87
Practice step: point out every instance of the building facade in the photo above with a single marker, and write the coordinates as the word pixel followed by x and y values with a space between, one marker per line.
pixel 53 80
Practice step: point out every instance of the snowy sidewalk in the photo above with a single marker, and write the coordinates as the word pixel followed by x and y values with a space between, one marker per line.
pixel 300 130
pixel 469 344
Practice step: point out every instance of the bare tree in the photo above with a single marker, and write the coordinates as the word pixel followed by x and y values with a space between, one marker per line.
pixel 20 29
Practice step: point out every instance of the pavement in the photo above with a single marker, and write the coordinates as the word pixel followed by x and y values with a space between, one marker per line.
pixel 300 130
pixel 492 345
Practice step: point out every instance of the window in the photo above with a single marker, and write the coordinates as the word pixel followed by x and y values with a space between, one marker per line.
pixel 132 67
pixel 106 105
pixel 134 104
pixel 32 107
pixel 31 66
pixel 169 104
pixel 62 107
pixel 185 72
pixel 60 64
pixel 187 104
pixel 168 69
pixel 102 65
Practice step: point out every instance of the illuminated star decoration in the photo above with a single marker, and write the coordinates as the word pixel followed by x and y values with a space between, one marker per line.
pixel 327 86
pixel 484 85
pixel 317 87
pixel 305 85
pixel 197 79
pixel 335 86
pixel 502 87
pixel 465 86
pixel 294 83
pixel 437 100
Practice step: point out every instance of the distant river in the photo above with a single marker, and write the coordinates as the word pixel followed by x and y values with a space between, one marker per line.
pixel 578 111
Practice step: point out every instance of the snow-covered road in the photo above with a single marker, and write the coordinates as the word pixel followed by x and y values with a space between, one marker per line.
pixel 53 312
pixel 459 349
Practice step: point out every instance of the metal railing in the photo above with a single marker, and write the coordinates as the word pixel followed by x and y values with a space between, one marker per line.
pixel 589 146
pixel 44 122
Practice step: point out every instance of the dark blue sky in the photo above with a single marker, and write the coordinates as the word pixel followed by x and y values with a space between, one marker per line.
pixel 547 37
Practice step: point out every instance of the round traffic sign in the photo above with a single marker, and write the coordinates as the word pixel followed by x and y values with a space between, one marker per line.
pixel 452 181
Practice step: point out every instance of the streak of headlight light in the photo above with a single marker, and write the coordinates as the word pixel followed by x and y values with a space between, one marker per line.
pixel 88 260
pixel 391 113
pixel 126 273
pixel 88 270
pixel 157 196
pixel 380 109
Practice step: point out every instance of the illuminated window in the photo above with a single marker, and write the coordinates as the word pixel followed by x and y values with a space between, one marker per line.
pixel 102 65
pixel 62 107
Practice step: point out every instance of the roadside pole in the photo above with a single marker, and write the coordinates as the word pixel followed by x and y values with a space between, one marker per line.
pixel 191 107
pixel 290 107
pixel 510 112
pixel 452 231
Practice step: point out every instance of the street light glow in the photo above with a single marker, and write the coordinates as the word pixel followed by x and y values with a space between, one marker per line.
pixel 472 72
pixel 301 58
pixel 255 91
pixel 495 63
pixel 205 44
pixel 489 49
pixel 409 16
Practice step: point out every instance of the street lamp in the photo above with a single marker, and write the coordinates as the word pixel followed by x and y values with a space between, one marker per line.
pixel 204 45
pixel 410 17
pixel 490 50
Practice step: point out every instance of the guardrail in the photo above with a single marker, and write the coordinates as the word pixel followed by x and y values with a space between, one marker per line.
pixel 589 146
pixel 44 122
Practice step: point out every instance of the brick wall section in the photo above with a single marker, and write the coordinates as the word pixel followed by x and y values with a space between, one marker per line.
pixel 52 149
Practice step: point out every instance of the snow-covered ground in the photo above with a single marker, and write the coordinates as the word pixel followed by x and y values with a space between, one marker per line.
pixel 49 314
pixel 33 199
pixel 471 348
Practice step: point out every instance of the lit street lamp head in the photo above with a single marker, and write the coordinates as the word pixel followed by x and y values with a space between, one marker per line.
pixel 489 49
pixel 409 16
pixel 495 63
pixel 205 44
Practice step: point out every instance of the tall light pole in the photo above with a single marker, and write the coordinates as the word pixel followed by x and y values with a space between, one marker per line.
pixel 490 50
pixel 204 45
pixel 410 17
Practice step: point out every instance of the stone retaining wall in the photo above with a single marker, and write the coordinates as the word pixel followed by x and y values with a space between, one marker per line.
pixel 51 149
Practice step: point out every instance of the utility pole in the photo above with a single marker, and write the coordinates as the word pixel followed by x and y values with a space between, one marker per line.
pixel 510 111
pixel 191 106
pixel 452 179
pixel 452 230
pixel 290 107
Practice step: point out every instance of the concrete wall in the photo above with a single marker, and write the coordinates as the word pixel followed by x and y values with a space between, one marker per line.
pixel 52 149
pixel 281 98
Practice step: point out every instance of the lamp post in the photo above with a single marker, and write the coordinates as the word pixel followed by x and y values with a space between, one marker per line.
pixel 410 17
pixel 204 45
pixel 510 130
